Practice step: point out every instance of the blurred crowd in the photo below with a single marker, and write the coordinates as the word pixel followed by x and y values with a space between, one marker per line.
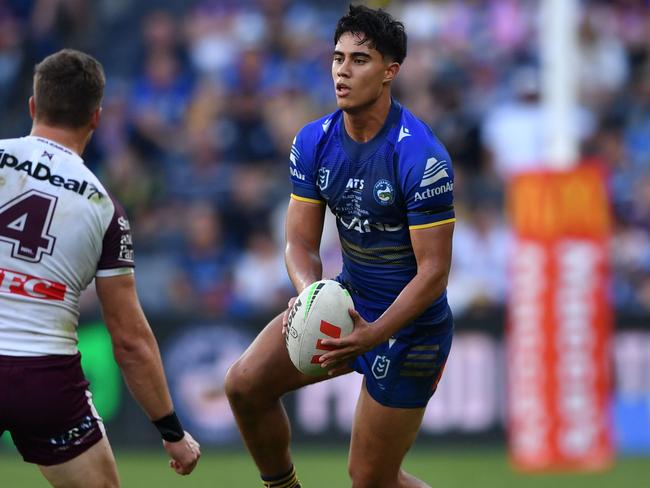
pixel 204 98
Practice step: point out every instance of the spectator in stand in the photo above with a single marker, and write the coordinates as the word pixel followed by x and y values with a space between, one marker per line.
pixel 261 284
pixel 478 279
pixel 158 103
pixel 515 132
pixel 203 278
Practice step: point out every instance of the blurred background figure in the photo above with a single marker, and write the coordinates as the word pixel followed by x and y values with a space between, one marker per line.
pixel 202 281
pixel 515 130
pixel 260 282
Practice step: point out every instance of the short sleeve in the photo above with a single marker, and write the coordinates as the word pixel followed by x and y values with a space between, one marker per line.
pixel 428 185
pixel 302 169
pixel 117 256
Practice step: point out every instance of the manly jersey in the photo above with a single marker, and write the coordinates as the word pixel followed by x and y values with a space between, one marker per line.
pixel 59 229
pixel 378 191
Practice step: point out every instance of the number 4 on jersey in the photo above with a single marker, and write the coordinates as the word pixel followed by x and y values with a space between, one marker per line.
pixel 25 223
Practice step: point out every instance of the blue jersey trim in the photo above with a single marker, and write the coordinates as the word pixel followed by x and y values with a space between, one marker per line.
pixel 306 191
pixel 418 219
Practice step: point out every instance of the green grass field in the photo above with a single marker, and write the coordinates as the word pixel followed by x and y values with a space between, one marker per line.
pixel 480 468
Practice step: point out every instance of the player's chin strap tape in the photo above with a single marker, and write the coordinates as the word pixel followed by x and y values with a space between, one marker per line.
pixel 170 428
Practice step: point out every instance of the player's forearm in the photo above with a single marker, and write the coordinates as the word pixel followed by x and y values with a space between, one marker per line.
pixel 414 299
pixel 303 265
pixel 141 366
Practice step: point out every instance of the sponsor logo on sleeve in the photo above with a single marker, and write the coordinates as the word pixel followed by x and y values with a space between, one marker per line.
pixel 435 170
pixel 126 248
pixel 294 156
pixel 123 222
pixel 126 241
pixel 435 191
pixel 296 174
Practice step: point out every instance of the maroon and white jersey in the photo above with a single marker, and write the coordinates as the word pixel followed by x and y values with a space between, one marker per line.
pixel 59 228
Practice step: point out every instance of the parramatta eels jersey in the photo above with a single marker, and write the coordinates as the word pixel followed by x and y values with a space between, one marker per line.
pixel 59 229
pixel 378 191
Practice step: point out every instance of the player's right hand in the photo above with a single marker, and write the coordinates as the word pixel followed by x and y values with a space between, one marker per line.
pixel 184 454
pixel 285 315
pixel 342 351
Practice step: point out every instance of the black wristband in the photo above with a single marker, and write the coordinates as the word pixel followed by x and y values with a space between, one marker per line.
pixel 170 428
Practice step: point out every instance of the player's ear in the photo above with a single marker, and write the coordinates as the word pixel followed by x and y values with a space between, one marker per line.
pixel 32 108
pixel 391 72
pixel 95 118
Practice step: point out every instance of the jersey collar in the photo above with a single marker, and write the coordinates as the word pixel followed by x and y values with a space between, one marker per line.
pixel 360 151
pixel 55 145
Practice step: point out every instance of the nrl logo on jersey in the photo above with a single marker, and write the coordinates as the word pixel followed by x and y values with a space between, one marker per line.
pixel 380 367
pixel 323 178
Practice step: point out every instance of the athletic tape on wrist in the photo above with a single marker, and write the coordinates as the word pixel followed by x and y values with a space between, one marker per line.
pixel 170 428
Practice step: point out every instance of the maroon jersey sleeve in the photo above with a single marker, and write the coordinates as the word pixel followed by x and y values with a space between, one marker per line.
pixel 117 246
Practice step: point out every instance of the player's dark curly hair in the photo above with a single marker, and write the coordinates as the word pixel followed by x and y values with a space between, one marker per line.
pixel 378 29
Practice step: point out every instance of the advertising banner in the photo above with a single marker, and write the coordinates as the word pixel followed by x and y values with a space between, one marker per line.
pixel 468 407
pixel 558 322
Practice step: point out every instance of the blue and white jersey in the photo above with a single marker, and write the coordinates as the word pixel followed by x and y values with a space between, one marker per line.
pixel 402 179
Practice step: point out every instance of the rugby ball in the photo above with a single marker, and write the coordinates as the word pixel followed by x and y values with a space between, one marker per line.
pixel 320 312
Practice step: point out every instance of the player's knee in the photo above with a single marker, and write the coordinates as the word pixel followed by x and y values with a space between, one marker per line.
pixel 106 482
pixel 106 475
pixel 234 382
pixel 96 477
pixel 240 385
pixel 364 476
pixel 112 483
pixel 367 481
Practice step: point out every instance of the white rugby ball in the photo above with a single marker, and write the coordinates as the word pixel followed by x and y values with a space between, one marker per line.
pixel 320 312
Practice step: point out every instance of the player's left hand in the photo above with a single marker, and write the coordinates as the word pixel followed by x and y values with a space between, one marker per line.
pixel 184 454
pixel 285 315
pixel 362 338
